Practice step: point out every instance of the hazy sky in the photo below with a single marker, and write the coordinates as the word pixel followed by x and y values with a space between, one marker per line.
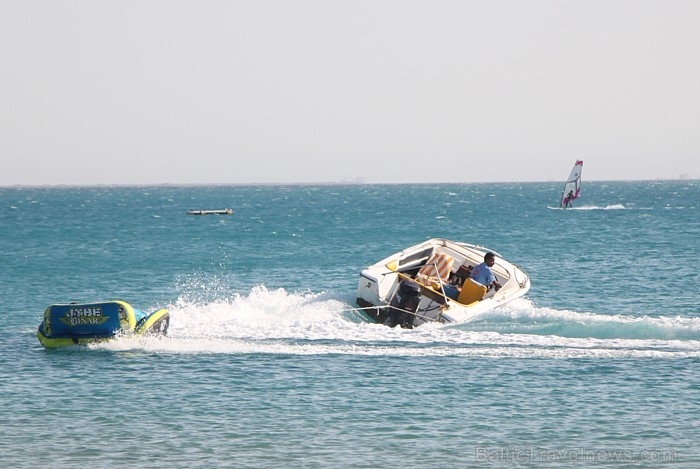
pixel 163 91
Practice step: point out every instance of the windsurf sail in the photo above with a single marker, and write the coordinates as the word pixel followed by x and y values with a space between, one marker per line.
pixel 572 187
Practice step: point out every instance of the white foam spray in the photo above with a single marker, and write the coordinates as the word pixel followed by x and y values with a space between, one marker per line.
pixel 304 323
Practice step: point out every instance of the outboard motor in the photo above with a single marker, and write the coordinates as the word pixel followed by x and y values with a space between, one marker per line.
pixel 404 304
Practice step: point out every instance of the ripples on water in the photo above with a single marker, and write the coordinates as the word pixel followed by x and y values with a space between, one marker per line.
pixel 268 363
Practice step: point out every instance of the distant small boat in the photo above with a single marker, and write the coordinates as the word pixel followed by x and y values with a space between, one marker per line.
pixel 225 211
pixel 81 324
pixel 572 187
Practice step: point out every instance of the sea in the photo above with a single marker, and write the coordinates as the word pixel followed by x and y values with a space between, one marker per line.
pixel 270 363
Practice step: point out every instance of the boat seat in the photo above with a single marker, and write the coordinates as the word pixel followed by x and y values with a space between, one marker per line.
pixel 471 291
pixel 436 271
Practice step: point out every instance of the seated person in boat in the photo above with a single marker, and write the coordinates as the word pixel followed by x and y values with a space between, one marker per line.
pixel 483 274
pixel 454 284
pixel 464 272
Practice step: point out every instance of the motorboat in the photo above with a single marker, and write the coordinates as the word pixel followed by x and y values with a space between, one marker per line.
pixel 431 282
pixel 86 323
pixel 225 211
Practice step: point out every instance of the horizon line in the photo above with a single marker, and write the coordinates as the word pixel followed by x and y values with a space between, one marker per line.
pixel 329 183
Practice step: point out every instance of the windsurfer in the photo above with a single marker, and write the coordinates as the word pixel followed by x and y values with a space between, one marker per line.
pixel 572 187
pixel 569 199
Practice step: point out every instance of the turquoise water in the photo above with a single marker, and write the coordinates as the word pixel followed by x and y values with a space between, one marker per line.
pixel 268 364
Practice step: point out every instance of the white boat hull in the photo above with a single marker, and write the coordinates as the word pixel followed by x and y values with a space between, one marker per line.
pixel 225 211
pixel 378 284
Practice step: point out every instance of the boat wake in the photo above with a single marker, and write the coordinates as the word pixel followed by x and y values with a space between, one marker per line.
pixel 525 318
pixel 591 207
pixel 597 207
pixel 288 323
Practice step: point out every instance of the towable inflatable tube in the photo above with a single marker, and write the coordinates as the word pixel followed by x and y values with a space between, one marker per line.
pixel 86 323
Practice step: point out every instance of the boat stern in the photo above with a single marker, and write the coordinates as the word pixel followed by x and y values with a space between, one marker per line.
pixel 368 289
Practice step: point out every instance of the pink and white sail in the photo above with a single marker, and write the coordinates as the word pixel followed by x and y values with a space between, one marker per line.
pixel 572 188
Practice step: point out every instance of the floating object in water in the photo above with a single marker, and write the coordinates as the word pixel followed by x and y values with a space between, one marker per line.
pixel 85 323
pixel 225 211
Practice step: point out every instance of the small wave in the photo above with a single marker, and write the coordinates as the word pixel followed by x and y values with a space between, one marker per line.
pixel 591 207
pixel 521 317
pixel 597 207
pixel 494 349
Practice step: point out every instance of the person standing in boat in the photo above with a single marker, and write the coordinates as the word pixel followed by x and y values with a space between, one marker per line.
pixel 483 274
